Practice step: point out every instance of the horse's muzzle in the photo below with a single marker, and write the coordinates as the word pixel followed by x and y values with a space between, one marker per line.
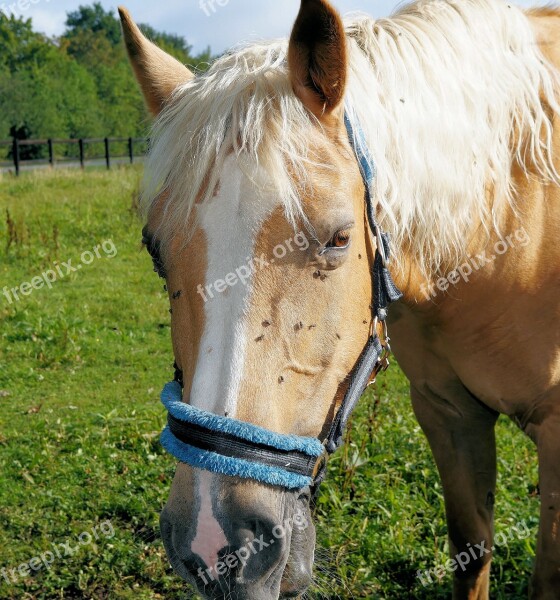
pixel 264 556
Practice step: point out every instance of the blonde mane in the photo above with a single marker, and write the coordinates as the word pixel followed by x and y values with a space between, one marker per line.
pixel 448 94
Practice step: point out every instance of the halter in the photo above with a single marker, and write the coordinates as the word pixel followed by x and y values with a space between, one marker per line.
pixel 231 447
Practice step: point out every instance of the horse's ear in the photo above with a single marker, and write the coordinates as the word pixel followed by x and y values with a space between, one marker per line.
pixel 157 72
pixel 317 57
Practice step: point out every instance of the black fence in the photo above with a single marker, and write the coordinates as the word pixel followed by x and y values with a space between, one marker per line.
pixel 72 152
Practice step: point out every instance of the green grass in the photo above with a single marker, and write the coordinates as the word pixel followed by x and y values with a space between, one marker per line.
pixel 81 366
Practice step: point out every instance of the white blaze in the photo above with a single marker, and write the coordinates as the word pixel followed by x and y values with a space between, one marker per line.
pixel 230 220
pixel 209 538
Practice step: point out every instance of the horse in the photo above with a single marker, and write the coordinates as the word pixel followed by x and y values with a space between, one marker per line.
pixel 255 203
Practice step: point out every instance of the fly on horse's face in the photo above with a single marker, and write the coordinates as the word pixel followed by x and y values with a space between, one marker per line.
pixel 269 314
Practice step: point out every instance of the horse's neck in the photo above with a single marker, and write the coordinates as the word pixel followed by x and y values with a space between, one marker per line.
pixel 446 196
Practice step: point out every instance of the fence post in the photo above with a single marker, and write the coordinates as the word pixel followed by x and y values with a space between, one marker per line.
pixel 51 152
pixel 130 150
pixel 107 155
pixel 81 147
pixel 15 152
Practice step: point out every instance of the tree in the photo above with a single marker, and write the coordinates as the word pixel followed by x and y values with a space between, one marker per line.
pixel 43 92
pixel 20 46
pixel 78 85
pixel 95 20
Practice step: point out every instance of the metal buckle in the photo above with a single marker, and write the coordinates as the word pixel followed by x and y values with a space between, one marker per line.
pixel 383 361
pixel 321 463
pixel 381 246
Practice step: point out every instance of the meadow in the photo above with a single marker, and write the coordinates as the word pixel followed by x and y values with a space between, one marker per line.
pixel 82 362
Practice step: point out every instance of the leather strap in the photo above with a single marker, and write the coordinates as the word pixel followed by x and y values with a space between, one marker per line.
pixel 384 291
pixel 235 447
pixel 359 379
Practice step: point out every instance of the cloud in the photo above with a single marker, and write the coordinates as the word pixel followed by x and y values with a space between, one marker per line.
pixel 48 19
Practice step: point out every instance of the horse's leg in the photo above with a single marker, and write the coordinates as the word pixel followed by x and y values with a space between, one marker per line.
pixel 545 584
pixel 460 431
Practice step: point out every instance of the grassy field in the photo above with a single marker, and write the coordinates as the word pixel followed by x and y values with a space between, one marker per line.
pixel 81 366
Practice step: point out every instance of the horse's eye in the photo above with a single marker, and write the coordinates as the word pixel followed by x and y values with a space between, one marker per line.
pixel 341 239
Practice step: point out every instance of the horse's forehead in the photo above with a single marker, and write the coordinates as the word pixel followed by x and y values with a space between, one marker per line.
pixel 235 200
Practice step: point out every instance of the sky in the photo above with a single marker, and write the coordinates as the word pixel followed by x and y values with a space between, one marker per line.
pixel 219 24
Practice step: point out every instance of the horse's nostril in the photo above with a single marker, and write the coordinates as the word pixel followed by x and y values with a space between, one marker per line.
pixel 260 547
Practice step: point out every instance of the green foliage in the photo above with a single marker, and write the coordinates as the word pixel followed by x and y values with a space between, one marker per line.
pixel 81 366
pixel 96 20
pixel 78 85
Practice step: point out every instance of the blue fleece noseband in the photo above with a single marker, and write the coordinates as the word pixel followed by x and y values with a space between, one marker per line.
pixel 292 449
